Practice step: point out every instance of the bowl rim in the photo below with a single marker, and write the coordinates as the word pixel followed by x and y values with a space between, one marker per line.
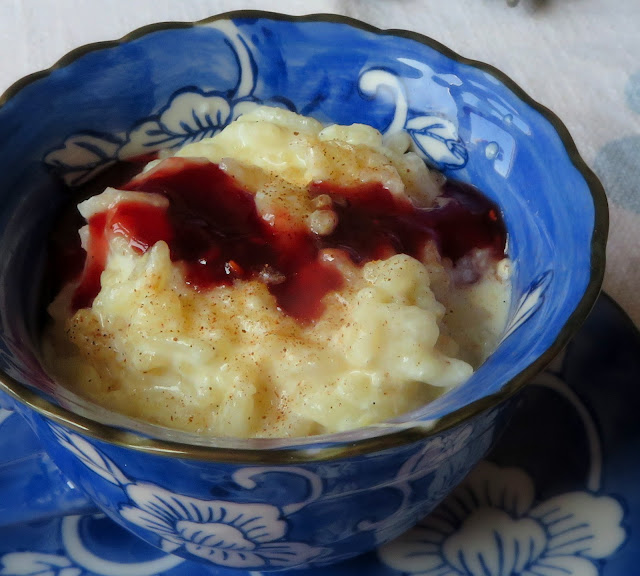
pixel 337 445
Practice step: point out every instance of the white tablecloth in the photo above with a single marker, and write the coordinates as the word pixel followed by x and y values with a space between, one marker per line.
pixel 581 58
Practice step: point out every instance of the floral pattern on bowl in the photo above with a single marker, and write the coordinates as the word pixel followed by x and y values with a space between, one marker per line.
pixel 192 114
pixel 346 493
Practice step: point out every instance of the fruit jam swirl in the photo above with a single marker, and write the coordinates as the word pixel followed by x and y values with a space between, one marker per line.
pixel 214 230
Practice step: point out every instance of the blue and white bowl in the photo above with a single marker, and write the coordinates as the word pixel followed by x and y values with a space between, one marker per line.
pixel 276 504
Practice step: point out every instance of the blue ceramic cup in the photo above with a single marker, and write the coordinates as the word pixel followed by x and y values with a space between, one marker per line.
pixel 276 504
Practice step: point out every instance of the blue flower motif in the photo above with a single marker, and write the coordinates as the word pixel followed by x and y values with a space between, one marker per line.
pixel 190 116
pixel 437 140
pixel 490 526
pixel 83 155
pixel 249 536
pixel 434 137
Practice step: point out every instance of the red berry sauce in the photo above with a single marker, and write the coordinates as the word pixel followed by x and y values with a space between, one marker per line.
pixel 213 229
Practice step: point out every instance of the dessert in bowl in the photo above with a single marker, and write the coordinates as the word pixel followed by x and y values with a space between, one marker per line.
pixel 275 503
pixel 278 279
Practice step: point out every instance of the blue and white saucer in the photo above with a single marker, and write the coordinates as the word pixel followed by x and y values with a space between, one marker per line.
pixel 558 496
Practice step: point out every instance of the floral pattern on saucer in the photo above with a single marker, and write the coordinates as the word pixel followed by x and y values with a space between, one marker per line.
pixel 491 526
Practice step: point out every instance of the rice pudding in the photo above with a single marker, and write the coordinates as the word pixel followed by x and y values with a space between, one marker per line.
pixel 281 279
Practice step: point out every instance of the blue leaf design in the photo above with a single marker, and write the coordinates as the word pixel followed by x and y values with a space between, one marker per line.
pixel 437 141
pixel 83 155
pixel 530 302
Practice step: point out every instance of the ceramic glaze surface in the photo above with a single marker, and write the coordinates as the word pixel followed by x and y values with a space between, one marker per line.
pixel 139 97
pixel 263 517
pixel 173 86
pixel 556 500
